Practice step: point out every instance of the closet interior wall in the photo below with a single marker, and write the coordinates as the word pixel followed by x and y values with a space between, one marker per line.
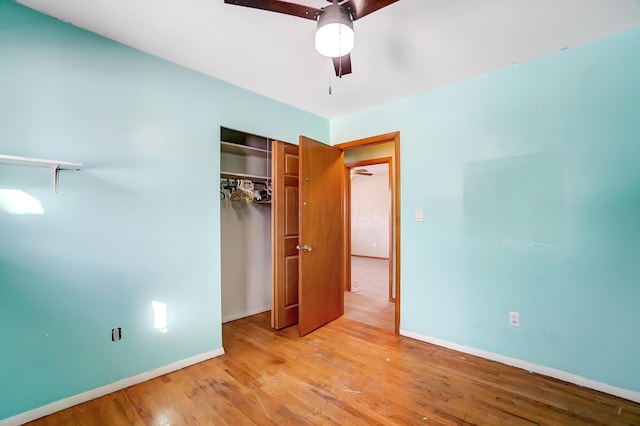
pixel 245 226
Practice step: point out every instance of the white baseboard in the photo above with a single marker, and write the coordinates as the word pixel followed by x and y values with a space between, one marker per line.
pixel 233 317
pixel 534 368
pixel 62 404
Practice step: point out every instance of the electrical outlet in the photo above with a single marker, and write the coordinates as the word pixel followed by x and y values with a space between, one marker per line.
pixel 514 319
pixel 116 334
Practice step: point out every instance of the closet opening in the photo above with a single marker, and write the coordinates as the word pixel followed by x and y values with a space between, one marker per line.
pixel 245 223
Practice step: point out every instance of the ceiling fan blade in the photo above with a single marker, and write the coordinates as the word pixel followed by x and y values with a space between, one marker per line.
pixel 292 9
pixel 360 8
pixel 344 62
pixel 362 173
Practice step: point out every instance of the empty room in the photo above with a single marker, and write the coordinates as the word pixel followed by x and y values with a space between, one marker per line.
pixel 183 240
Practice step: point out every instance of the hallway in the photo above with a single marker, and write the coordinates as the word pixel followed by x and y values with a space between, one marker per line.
pixel 368 302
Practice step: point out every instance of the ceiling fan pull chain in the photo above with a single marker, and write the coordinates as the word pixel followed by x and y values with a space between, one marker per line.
pixel 329 82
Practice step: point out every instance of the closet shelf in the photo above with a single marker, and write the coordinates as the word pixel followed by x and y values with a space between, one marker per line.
pixel 233 175
pixel 54 165
pixel 243 149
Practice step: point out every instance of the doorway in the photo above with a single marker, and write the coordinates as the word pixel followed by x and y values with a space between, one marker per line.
pixel 370 299
pixel 383 148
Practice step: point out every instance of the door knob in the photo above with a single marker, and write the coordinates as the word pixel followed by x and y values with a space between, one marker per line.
pixel 304 247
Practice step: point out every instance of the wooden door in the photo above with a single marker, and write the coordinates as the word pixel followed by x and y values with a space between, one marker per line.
pixel 321 286
pixel 284 235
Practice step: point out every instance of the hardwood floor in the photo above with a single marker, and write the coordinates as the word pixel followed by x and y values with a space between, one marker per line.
pixel 368 301
pixel 346 373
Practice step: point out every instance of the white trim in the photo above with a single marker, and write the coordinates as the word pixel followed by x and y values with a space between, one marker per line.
pixel 532 368
pixel 62 404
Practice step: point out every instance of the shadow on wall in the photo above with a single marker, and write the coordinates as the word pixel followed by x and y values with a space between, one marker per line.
pixel 515 198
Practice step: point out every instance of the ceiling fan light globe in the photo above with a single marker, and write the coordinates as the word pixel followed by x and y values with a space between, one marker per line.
pixel 334 32
pixel 334 40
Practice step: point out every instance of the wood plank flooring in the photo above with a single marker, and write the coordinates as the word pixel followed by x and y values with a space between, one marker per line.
pixel 346 373
pixel 368 301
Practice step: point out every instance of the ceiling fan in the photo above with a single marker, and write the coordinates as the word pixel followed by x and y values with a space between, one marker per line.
pixel 361 172
pixel 334 28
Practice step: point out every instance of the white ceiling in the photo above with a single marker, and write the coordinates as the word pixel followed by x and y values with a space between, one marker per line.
pixel 405 48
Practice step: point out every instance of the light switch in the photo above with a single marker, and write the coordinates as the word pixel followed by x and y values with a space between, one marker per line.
pixel 419 215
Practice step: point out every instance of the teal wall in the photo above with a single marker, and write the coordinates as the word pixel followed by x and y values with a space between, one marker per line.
pixel 530 185
pixel 527 176
pixel 139 223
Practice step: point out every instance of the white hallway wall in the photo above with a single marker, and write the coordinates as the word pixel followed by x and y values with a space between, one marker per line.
pixel 370 212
